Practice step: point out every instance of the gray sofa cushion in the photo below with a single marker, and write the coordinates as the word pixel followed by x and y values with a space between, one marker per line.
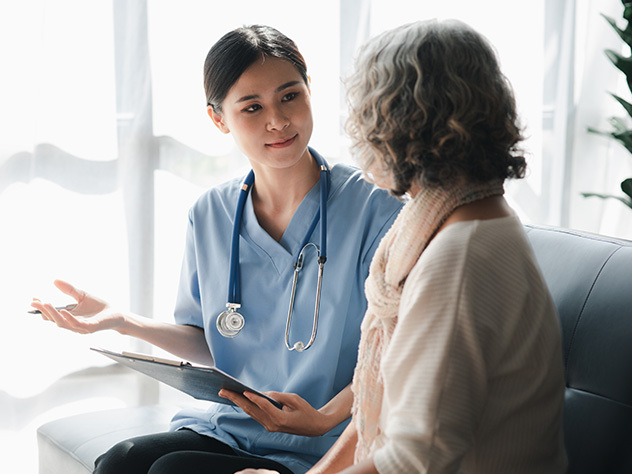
pixel 590 278
pixel 70 445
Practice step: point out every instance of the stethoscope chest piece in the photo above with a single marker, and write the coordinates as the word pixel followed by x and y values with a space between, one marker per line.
pixel 230 323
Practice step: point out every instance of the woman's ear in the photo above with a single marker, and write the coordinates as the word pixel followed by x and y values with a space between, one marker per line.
pixel 218 119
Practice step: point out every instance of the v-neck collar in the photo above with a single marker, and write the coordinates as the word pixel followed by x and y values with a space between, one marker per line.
pixel 284 252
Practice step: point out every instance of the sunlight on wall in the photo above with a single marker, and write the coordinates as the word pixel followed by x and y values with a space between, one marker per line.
pixel 55 235
pixel 52 70
pixel 60 95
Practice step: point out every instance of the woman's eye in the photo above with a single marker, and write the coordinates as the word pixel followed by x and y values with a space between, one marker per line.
pixel 290 96
pixel 252 108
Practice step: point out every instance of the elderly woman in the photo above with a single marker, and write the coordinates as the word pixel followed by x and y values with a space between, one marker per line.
pixel 460 362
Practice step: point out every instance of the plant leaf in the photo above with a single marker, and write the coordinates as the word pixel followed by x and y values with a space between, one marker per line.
pixel 627 202
pixel 618 124
pixel 626 105
pixel 599 132
pixel 626 187
pixel 620 137
pixel 627 10
pixel 624 137
pixel 626 35
pixel 622 63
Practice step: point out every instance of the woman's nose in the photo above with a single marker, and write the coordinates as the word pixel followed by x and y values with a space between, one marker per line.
pixel 277 120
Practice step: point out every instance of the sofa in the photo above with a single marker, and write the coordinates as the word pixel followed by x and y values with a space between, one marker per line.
pixel 590 278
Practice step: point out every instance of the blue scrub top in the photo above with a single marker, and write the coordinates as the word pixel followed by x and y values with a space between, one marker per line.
pixel 358 215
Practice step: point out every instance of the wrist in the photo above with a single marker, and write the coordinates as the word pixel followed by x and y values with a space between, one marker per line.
pixel 329 420
pixel 125 324
pixel 337 410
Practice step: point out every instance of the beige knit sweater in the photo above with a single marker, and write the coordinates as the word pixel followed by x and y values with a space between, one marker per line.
pixel 473 379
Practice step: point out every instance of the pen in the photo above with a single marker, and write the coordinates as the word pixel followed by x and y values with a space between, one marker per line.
pixel 68 307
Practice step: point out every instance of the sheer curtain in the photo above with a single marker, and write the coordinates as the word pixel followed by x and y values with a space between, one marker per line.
pixel 597 164
pixel 105 143
pixel 577 79
pixel 62 210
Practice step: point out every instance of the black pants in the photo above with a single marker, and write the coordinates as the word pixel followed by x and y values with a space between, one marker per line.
pixel 177 452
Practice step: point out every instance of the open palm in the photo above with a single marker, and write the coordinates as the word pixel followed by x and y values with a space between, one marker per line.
pixel 90 315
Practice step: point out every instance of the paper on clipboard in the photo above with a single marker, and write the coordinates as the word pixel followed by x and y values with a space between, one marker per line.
pixel 200 382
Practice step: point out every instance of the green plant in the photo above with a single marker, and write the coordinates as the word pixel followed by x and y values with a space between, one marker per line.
pixel 620 131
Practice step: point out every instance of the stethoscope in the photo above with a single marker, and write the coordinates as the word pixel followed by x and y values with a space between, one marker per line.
pixel 230 322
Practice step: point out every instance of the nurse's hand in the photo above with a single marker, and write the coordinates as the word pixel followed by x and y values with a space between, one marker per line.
pixel 296 417
pixel 90 315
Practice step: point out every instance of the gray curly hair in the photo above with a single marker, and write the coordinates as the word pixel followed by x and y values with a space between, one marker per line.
pixel 428 103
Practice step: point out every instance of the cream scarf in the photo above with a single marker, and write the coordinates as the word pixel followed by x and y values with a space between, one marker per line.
pixel 398 252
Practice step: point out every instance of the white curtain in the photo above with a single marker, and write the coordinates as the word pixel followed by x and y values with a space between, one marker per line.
pixel 577 79
pixel 105 143
pixel 597 164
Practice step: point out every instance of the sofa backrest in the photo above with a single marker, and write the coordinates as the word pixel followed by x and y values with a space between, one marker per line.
pixel 590 278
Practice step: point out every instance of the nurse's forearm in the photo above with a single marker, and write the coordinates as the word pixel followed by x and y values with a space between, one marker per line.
pixel 338 408
pixel 186 342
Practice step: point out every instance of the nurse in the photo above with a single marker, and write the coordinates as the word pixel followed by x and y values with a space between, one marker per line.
pixel 257 90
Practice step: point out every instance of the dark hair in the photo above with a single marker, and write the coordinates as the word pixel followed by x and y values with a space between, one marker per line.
pixel 237 50
pixel 429 102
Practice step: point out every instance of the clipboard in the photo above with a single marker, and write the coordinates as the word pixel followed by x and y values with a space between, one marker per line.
pixel 202 383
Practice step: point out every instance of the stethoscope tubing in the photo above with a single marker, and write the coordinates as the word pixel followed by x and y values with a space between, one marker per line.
pixel 234 277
